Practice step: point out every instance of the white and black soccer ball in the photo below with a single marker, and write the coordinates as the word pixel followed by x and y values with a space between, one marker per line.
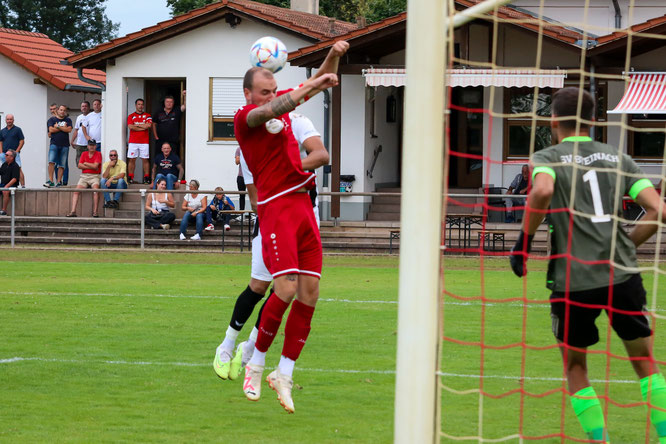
pixel 269 53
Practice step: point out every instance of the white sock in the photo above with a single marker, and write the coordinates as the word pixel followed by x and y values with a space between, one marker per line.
pixel 258 358
pixel 230 340
pixel 286 366
pixel 254 334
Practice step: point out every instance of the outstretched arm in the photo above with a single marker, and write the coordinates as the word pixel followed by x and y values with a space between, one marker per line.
pixel 330 64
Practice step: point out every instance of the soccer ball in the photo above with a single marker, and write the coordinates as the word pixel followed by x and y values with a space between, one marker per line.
pixel 269 53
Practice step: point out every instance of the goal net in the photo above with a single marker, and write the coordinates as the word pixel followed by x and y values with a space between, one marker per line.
pixel 495 372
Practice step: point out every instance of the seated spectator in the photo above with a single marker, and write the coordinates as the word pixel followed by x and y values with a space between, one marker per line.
pixel 194 206
pixel 519 185
pixel 90 165
pixel 158 204
pixel 167 165
pixel 9 177
pixel 113 177
pixel 219 203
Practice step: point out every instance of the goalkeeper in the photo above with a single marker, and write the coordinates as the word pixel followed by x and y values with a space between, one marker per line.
pixel 593 261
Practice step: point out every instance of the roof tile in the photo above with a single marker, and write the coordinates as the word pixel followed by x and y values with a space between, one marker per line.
pixel 639 27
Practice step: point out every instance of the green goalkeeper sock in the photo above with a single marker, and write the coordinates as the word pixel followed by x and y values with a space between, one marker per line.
pixel 587 407
pixel 653 389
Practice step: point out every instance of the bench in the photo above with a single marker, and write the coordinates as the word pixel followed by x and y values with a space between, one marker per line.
pixel 488 237
pixel 393 234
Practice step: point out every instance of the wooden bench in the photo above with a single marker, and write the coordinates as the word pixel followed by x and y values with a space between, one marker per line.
pixel 491 236
pixel 393 234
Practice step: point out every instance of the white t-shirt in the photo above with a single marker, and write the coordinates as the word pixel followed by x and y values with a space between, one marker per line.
pixel 194 202
pixel 81 120
pixel 94 126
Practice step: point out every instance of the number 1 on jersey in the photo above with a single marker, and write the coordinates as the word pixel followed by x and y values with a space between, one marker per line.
pixel 599 216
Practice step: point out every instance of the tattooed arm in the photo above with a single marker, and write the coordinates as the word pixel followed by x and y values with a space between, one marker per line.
pixel 288 102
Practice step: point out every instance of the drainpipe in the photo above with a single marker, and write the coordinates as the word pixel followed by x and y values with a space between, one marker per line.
pixel 618 15
pixel 327 107
pixel 593 92
pixel 101 85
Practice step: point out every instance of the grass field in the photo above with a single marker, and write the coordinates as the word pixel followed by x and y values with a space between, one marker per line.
pixel 111 347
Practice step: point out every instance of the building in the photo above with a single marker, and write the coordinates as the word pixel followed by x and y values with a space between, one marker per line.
pixel 33 78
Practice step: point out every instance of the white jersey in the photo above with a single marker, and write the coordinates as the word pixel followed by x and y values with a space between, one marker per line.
pixel 94 126
pixel 81 120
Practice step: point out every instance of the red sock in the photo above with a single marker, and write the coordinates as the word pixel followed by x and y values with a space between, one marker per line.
pixel 271 318
pixel 297 329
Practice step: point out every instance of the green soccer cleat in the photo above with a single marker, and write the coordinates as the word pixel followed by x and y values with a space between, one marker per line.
pixel 236 362
pixel 222 363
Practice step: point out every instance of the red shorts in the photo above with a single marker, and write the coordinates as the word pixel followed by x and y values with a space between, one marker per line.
pixel 289 236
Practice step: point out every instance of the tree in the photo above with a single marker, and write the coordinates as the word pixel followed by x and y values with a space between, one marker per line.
pixel 75 24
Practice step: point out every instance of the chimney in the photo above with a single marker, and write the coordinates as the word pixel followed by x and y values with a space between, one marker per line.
pixel 361 22
pixel 310 6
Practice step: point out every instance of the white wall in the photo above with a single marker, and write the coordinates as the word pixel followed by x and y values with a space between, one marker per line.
pixel 215 50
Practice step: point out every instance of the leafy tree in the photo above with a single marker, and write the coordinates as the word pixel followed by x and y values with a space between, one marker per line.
pixel 380 9
pixel 75 24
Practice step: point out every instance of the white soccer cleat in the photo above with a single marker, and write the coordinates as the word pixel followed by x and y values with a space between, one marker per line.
pixel 282 385
pixel 252 383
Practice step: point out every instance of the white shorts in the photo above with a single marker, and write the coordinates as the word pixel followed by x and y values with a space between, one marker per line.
pixel 259 270
pixel 135 150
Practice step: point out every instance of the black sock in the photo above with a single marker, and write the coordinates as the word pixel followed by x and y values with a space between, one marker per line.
pixel 261 310
pixel 243 308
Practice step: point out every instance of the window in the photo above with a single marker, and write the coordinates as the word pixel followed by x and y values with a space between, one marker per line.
pixel 646 144
pixel 226 96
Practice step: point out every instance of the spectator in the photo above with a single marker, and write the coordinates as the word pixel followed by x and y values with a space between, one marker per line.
pixel 9 177
pixel 11 138
pixel 219 203
pixel 58 128
pixel 53 109
pixel 167 166
pixel 519 185
pixel 79 141
pixel 158 204
pixel 240 181
pixel 90 165
pixel 166 127
pixel 113 177
pixel 139 124
pixel 93 128
pixel 194 205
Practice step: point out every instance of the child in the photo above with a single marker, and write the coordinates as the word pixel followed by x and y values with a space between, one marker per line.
pixel 219 203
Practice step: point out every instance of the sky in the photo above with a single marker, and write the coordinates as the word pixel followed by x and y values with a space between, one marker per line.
pixel 136 14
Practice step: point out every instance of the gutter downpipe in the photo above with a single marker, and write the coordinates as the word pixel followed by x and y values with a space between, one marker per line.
pixel 101 85
pixel 618 15
pixel 327 106
pixel 593 92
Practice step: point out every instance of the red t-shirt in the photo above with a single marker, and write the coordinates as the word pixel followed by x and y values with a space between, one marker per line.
pixel 136 119
pixel 95 158
pixel 272 155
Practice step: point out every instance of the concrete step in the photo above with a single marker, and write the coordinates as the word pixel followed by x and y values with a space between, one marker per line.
pixel 384 216
pixel 393 200
pixel 384 208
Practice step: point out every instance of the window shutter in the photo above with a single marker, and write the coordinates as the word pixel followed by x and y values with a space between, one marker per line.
pixel 227 96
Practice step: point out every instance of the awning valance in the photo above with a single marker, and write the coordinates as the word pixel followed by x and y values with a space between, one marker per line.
pixel 646 94
pixel 506 78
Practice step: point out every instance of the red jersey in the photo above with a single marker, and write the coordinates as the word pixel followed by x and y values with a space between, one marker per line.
pixel 96 157
pixel 272 155
pixel 139 136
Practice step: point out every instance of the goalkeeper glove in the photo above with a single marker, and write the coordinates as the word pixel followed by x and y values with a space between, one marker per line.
pixel 518 257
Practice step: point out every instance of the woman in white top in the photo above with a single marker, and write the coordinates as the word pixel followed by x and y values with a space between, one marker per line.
pixel 194 206
pixel 157 206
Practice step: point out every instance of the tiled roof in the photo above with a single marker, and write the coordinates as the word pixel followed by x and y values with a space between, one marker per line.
pixel 40 55
pixel 505 13
pixel 637 28
pixel 311 25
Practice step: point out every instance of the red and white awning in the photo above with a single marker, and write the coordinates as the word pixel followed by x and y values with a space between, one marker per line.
pixel 504 78
pixel 645 94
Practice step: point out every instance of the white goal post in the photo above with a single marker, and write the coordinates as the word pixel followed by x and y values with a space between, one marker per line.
pixel 417 394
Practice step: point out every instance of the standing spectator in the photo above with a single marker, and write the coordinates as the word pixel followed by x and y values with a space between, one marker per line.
pixel 53 109
pixel 139 124
pixel 167 166
pixel 90 165
pixel 11 138
pixel 9 177
pixel 519 185
pixel 167 122
pixel 113 177
pixel 240 181
pixel 58 127
pixel 93 128
pixel 158 204
pixel 194 204
pixel 79 140
pixel 219 203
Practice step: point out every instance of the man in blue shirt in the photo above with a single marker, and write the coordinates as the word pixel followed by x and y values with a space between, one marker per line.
pixel 11 138
pixel 59 126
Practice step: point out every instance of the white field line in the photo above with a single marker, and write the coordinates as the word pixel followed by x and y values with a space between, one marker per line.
pixel 18 359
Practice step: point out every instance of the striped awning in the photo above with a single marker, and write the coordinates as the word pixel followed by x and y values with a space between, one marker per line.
pixel 645 94
pixel 505 78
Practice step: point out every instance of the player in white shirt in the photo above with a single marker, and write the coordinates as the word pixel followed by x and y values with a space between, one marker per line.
pixel 313 155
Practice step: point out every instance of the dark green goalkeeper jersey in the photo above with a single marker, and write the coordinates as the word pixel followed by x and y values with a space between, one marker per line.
pixel 583 238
